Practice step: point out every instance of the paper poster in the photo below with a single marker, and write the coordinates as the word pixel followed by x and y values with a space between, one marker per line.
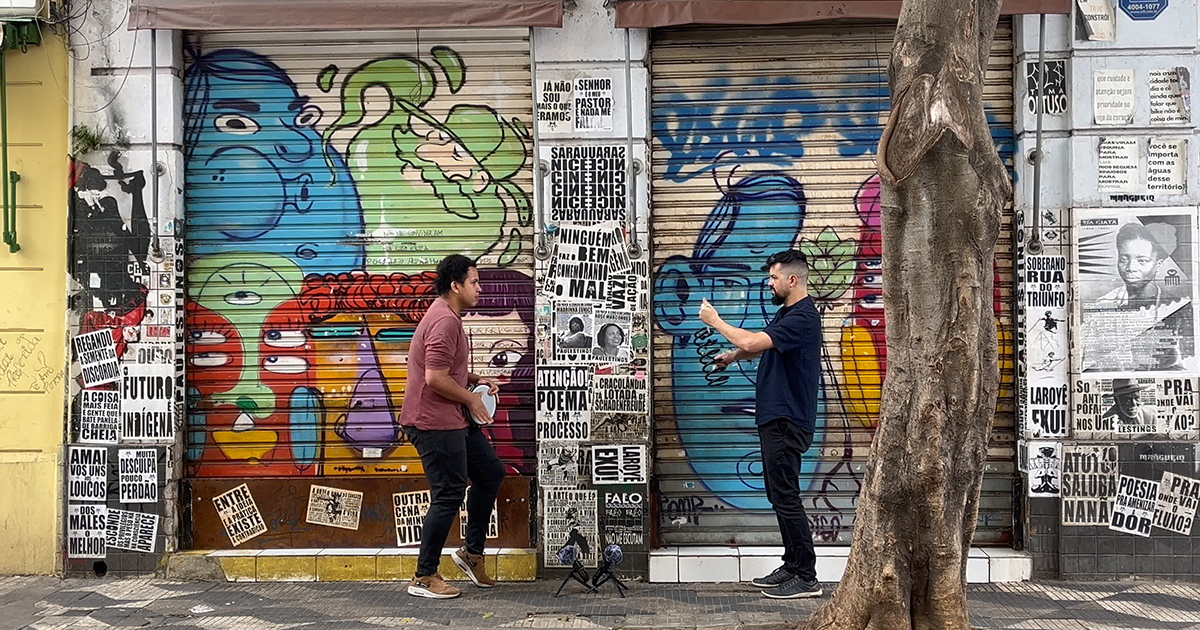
pixel 593 104
pixel 574 332
pixel 623 511
pixel 97 357
pixel 87 524
pixel 1168 88
pixel 620 393
pixel 333 507
pixel 1118 165
pixel 1166 166
pixel 1046 348
pixel 1111 408
pixel 1112 96
pixel 1133 508
pixel 569 517
pixel 87 473
pixel 555 107
pixel 620 427
pixel 239 514
pixel 147 402
pixel 1089 483
pixel 1177 404
pixel 138 475
pixel 619 463
pixel 409 509
pixel 493 530
pixel 558 463
pixel 1045 469
pixel 619 261
pixel 588 185
pixel 1051 94
pixel 580 263
pixel 99 416
pixel 614 332
pixel 1099 19
pixel 1175 504
pixel 563 406
pixel 131 531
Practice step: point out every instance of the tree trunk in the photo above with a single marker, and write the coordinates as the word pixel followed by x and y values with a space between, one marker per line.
pixel 944 188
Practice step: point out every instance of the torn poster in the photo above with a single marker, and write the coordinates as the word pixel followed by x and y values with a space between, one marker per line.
pixel 1108 408
pixel 593 104
pixel 1175 504
pixel 1099 19
pixel 1167 89
pixel 1112 97
pixel 334 507
pixel 558 463
pixel 1118 165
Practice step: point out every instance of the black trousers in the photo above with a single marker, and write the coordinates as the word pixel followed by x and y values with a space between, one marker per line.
pixel 783 442
pixel 451 458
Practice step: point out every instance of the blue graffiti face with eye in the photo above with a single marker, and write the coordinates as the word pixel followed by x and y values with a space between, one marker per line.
pixel 756 217
pixel 257 175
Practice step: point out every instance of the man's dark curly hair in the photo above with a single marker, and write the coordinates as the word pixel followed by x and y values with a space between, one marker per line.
pixel 453 268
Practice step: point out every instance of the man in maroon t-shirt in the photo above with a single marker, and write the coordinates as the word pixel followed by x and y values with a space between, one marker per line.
pixel 452 448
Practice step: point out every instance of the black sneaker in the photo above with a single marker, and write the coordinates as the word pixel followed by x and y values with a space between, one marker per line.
pixel 795 588
pixel 777 577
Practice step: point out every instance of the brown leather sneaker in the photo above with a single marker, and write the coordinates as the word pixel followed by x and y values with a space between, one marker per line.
pixel 473 565
pixel 433 587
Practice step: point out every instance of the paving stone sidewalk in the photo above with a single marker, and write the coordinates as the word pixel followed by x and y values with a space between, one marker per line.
pixel 48 603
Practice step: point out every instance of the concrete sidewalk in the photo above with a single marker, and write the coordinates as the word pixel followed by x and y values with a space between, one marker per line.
pixel 48 603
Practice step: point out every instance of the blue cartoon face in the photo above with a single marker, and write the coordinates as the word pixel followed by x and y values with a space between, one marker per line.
pixel 257 177
pixel 757 216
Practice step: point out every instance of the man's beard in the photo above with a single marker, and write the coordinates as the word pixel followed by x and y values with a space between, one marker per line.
pixel 777 300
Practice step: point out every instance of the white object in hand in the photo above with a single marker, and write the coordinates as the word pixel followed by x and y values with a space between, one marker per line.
pixel 489 401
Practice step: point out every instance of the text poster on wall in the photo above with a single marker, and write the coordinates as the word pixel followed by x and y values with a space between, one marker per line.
pixel 563 408
pixel 588 185
pixel 99 416
pixel 558 463
pixel 334 507
pixel 147 402
pixel 87 473
pixel 1098 19
pixel 131 531
pixel 569 518
pixel 1118 165
pixel 1051 93
pixel 138 475
pixel 1135 277
pixel 239 514
pixel 620 393
pixel 614 333
pixel 1110 408
pixel 409 509
pixel 1133 508
pixel 97 357
pixel 1166 166
pixel 593 104
pixel 87 524
pixel 1046 349
pixel 1112 96
pixel 622 512
pixel 1170 96
pixel 580 263
pixel 574 331
pixel 1089 483
pixel 1176 502
pixel 1045 469
pixel 493 525
pixel 555 106
pixel 618 463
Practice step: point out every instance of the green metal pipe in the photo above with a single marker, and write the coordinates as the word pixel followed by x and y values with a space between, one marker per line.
pixel 8 219
pixel 13 178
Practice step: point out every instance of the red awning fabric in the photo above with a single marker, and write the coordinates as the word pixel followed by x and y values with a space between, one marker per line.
pixel 659 13
pixel 295 15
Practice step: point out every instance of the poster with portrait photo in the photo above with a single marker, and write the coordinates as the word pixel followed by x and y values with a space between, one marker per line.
pixel 574 332
pixel 1106 409
pixel 1135 272
pixel 612 343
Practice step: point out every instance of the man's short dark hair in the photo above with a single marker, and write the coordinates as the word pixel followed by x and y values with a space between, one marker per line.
pixel 453 268
pixel 791 259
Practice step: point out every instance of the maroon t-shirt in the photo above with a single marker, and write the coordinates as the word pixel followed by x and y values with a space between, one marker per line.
pixel 438 344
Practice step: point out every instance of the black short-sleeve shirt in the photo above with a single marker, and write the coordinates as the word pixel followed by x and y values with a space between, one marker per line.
pixel 790 373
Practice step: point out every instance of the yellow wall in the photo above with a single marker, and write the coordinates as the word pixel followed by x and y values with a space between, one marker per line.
pixel 33 313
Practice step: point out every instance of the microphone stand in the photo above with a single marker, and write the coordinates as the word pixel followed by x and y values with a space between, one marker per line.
pixel 606 574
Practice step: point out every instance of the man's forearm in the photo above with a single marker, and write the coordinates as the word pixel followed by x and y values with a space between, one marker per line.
pixel 742 355
pixel 447 388
pixel 736 336
pixel 473 378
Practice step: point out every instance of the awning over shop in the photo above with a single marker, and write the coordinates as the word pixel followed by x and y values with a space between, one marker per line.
pixel 294 15
pixel 658 13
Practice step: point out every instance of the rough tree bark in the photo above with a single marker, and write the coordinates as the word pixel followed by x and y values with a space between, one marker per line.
pixel 944 188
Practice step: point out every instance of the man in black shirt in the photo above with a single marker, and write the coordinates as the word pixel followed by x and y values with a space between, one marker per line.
pixel 789 369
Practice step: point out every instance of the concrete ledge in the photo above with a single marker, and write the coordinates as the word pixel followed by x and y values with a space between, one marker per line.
pixel 334 565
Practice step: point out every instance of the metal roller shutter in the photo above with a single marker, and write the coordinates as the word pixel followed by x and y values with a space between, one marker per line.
pixel 326 176
pixel 764 139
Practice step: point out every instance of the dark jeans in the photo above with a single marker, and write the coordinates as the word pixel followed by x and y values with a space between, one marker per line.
pixel 450 458
pixel 783 442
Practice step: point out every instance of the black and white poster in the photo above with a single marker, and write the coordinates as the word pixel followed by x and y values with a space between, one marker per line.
pixel 493 529
pixel 1118 165
pixel 1114 408
pixel 555 106
pixel 593 104
pixel 1166 166
pixel 147 402
pixel 97 357
pixel 99 416
pixel 621 513
pixel 580 263
pixel 619 261
pixel 1177 404
pixel 563 407
pixel 620 393
pixel 87 473
pixel 137 478
pixel 239 514
pixel 574 331
pixel 1175 504
pixel 588 185
pixel 618 463
pixel 1089 483
pixel 1045 469
pixel 558 463
pixel 87 524
pixel 614 333
pixel 620 427
pixel 1050 93
pixel 1046 349
pixel 131 531
pixel 1135 278
pixel 569 517
pixel 1170 96
pixel 1133 508
pixel 409 509
pixel 333 507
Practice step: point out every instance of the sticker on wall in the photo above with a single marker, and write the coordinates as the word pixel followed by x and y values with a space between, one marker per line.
pixel 1166 166
pixel 147 402
pixel 1133 508
pixel 1112 96
pixel 99 416
pixel 563 409
pixel 409 509
pixel 137 475
pixel 614 332
pixel 1170 96
pixel 1089 483
pixel 569 517
pixel 580 263
pixel 593 104
pixel 87 473
pixel 622 512
pixel 1099 19
pixel 1118 165
pixel 87 524
pixel 1045 469
pixel 333 507
pixel 97 357
pixel 1050 94
pixel 620 393
pixel 239 514
pixel 558 463
pixel 493 529
pixel 131 531
pixel 618 463
pixel 574 331
pixel 587 185
pixel 1175 503
pixel 1142 10
pixel 555 107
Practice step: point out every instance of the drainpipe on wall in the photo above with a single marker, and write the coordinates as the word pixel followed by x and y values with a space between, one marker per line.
pixel 541 249
pixel 9 220
pixel 1035 240
pixel 633 167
